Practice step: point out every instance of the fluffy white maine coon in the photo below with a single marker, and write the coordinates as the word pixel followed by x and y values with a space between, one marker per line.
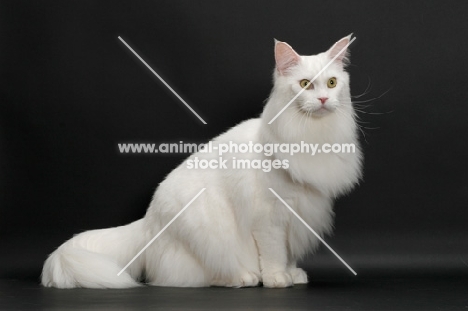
pixel 236 233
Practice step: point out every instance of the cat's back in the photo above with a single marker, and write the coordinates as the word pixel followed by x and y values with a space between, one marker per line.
pixel 241 133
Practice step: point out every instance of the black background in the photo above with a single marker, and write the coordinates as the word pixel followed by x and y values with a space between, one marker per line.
pixel 70 91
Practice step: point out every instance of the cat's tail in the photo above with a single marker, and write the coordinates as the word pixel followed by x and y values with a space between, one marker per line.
pixel 93 259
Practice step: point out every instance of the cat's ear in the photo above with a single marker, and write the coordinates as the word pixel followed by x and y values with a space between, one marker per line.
pixel 285 57
pixel 340 51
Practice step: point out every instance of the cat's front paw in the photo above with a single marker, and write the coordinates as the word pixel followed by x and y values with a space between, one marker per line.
pixel 277 280
pixel 298 275
pixel 249 279
pixel 246 279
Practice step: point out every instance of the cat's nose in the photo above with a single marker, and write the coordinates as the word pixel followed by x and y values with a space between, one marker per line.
pixel 323 99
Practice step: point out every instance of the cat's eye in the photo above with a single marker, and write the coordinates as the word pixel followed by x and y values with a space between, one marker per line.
pixel 305 84
pixel 331 83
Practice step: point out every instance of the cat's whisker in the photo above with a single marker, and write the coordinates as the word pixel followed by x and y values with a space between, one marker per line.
pixel 373 113
pixel 303 117
pixel 358 119
pixel 366 90
pixel 296 113
pixel 359 122
pixel 358 107
pixel 353 120
pixel 343 113
pixel 371 99
pixel 361 106
pixel 309 114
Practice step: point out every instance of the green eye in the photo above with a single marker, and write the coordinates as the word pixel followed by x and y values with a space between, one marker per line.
pixel 331 82
pixel 305 84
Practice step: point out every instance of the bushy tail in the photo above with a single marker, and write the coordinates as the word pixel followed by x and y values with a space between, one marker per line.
pixel 92 259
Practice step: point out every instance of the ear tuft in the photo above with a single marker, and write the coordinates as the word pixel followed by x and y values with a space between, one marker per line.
pixel 285 57
pixel 340 50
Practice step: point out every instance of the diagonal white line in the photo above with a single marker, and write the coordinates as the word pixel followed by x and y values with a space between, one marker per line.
pixel 160 232
pixel 162 80
pixel 313 231
pixel 311 81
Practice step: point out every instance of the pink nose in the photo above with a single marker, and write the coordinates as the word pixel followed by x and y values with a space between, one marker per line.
pixel 323 99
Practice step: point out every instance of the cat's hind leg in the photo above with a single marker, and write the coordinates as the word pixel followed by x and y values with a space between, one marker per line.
pixel 170 263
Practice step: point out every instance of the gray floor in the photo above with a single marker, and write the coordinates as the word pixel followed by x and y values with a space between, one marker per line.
pixel 400 293
pixel 394 273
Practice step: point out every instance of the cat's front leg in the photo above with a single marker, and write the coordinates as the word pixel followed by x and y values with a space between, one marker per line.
pixel 271 244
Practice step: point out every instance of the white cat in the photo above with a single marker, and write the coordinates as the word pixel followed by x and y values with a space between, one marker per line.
pixel 236 233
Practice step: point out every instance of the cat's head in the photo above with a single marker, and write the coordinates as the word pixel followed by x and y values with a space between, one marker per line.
pixel 328 91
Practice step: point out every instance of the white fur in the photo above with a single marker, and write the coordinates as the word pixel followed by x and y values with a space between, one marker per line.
pixel 236 233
